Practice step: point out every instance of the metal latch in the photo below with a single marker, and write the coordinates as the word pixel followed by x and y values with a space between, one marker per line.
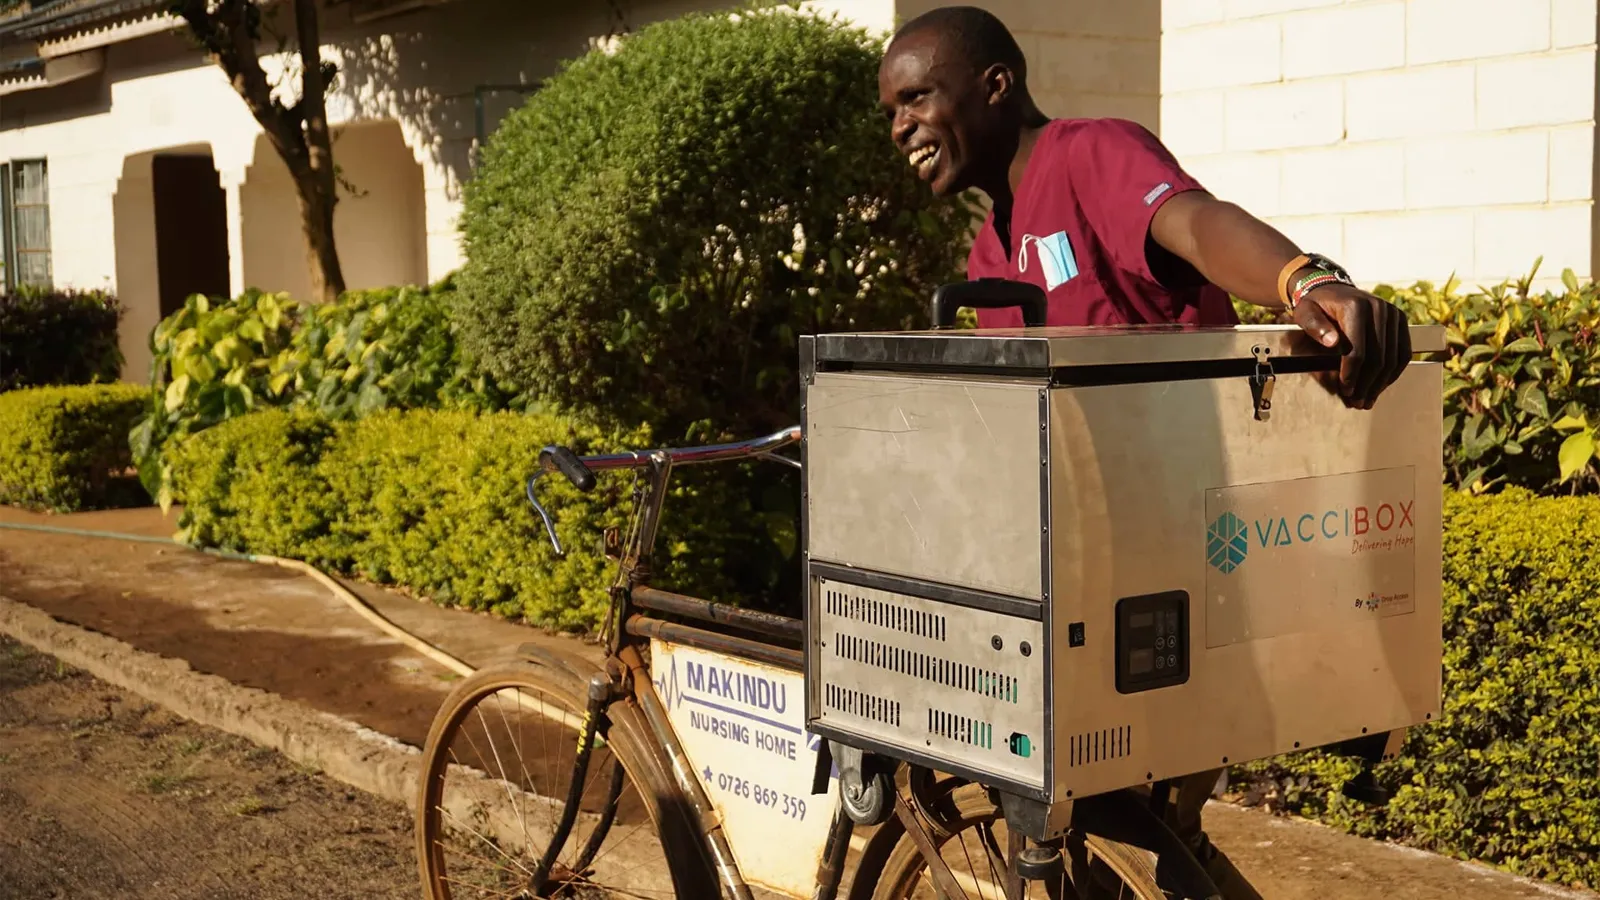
pixel 1261 383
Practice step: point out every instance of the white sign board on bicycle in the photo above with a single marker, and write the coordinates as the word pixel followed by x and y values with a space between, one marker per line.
pixel 742 725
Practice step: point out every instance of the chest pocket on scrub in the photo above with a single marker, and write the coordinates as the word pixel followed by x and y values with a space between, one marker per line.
pixel 1056 259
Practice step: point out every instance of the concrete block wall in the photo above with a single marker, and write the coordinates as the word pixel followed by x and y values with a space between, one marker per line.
pixel 1085 57
pixel 1408 139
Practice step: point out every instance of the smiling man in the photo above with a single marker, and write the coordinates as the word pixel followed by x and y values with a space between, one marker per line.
pixel 1099 214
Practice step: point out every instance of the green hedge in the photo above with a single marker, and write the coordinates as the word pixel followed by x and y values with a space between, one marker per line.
pixel 433 501
pixel 1511 773
pixel 66 448
pixel 58 338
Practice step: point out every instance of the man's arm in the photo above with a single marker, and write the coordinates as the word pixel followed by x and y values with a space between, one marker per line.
pixel 1245 257
pixel 1233 250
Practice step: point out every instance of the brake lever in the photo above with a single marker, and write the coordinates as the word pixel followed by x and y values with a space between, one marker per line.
pixel 779 458
pixel 549 526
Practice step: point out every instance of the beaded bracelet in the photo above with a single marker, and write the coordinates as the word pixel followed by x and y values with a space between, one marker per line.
pixel 1305 285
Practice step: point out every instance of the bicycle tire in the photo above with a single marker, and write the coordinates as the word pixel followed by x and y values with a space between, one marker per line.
pixel 626 735
pixel 973 806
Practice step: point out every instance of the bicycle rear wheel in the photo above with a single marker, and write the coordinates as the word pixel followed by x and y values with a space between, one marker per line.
pixel 497 773
pixel 971 838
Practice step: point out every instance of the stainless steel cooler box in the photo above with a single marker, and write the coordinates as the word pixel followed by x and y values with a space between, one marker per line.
pixel 1064 561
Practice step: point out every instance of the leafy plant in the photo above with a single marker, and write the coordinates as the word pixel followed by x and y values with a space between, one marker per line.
pixel 58 337
pixel 65 448
pixel 213 360
pixel 1522 375
pixel 1507 774
pixel 217 359
pixel 386 348
pixel 649 235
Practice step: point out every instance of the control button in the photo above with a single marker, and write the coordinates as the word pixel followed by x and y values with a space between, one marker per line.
pixel 1172 660
pixel 1161 663
pixel 1020 745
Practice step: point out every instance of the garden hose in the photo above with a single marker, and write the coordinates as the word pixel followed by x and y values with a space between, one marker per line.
pixel 339 590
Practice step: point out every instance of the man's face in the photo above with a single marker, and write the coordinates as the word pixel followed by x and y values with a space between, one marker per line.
pixel 938 111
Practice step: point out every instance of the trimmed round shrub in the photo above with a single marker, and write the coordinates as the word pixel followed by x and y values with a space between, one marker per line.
pixel 648 236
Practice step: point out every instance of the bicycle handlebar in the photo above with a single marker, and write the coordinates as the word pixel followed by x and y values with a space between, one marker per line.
pixel 560 459
pixel 579 470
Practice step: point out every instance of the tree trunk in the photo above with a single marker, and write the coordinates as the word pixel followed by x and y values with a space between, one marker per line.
pixel 319 188
pixel 230 31
pixel 316 226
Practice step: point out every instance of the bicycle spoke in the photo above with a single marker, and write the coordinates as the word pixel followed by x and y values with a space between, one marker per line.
pixel 632 829
pixel 961 838
pixel 623 892
pixel 528 779
pixel 990 848
pixel 510 892
pixel 492 845
pixel 485 860
pixel 504 779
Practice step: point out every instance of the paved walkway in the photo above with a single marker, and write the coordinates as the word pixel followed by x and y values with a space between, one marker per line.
pixel 268 628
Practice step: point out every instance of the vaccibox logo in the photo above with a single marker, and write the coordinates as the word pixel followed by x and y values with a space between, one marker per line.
pixel 1382 526
pixel 1227 542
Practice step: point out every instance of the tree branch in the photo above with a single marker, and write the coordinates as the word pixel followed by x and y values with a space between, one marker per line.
pixel 314 75
pixel 229 32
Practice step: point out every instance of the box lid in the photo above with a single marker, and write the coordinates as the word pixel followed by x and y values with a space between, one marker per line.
pixel 1055 347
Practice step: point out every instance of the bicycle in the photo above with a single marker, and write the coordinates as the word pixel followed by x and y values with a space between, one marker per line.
pixel 632 773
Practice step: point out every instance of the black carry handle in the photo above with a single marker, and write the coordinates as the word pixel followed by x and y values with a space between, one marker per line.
pixel 989 293
pixel 568 464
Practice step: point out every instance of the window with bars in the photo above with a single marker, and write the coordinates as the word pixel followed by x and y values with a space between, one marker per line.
pixel 25 223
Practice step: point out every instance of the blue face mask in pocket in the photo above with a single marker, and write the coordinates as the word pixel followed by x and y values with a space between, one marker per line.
pixel 1056 259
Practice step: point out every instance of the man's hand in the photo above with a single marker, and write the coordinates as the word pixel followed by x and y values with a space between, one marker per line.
pixel 1373 334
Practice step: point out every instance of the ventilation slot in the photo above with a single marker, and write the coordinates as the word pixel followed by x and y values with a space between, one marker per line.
pixel 964 729
pixel 859 703
pixel 894 616
pixel 1098 746
pixel 982 682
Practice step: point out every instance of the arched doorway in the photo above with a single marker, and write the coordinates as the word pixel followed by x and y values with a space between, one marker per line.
pixel 171 234
pixel 379 223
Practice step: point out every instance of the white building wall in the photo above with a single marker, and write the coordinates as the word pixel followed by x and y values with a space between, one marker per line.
pixel 420 71
pixel 1407 138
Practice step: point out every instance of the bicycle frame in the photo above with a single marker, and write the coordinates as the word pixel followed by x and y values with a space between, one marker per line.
pixel 626 624
pixel 629 621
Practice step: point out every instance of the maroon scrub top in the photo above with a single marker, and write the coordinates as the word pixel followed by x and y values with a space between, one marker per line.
pixel 1080 228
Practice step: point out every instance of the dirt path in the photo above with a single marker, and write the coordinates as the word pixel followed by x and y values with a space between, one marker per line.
pixel 107 796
